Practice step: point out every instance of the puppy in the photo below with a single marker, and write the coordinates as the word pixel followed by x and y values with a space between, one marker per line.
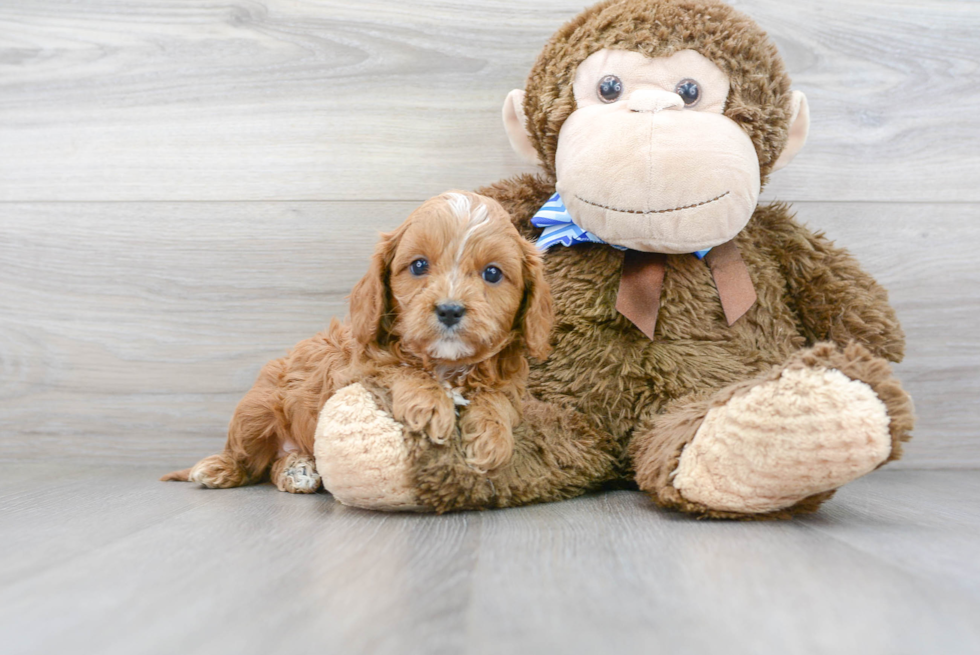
pixel 441 323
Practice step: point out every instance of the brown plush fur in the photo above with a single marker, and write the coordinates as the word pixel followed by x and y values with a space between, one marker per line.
pixel 395 343
pixel 611 401
pixel 557 455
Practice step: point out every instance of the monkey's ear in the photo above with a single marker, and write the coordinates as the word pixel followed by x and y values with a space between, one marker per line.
pixel 369 303
pixel 798 129
pixel 516 127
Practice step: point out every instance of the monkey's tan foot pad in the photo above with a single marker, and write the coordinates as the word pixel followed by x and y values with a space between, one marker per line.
pixel 809 431
pixel 362 453
pixel 297 475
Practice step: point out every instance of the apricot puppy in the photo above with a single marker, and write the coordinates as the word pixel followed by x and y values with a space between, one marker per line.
pixel 440 327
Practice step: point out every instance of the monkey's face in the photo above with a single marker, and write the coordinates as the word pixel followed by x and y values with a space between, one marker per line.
pixel 648 160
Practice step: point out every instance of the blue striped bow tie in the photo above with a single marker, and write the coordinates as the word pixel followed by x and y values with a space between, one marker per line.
pixel 559 227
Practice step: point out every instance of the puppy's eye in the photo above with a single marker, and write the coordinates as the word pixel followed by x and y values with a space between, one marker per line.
pixel 610 88
pixel 419 267
pixel 492 274
pixel 689 91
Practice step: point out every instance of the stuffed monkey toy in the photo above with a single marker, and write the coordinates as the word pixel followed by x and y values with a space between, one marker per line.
pixel 729 361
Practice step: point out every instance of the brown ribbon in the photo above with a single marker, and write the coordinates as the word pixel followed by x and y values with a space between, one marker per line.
pixel 640 285
pixel 642 281
pixel 732 280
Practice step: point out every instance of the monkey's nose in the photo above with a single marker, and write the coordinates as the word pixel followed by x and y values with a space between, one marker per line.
pixel 450 313
pixel 654 100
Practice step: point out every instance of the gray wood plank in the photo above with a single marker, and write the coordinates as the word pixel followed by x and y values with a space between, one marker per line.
pixel 261 571
pixel 927 523
pixel 281 100
pixel 611 574
pixel 42 531
pixel 255 570
pixel 128 331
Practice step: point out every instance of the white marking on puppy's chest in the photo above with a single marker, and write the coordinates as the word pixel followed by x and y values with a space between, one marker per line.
pixel 446 376
pixel 456 394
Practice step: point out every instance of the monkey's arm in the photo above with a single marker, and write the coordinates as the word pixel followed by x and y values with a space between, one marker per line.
pixel 557 454
pixel 833 297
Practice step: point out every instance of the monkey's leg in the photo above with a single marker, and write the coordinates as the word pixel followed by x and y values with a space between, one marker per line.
pixel 369 460
pixel 780 444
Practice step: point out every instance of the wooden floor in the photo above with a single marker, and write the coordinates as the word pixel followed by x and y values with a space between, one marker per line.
pixel 111 561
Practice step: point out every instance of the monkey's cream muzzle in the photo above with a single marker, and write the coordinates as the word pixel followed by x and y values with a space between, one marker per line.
pixel 649 175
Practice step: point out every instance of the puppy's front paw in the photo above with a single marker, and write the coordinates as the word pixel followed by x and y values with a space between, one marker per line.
pixel 423 411
pixel 488 445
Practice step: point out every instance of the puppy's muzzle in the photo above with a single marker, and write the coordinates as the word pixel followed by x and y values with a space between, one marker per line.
pixel 450 313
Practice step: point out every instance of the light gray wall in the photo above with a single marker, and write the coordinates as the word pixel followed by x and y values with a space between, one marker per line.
pixel 189 188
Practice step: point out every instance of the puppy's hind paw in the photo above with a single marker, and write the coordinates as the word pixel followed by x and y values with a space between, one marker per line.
pixel 218 472
pixel 296 474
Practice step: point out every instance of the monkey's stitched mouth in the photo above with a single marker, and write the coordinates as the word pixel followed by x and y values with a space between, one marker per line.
pixel 652 211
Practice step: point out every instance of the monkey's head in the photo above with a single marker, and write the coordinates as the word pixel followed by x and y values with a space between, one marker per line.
pixel 660 121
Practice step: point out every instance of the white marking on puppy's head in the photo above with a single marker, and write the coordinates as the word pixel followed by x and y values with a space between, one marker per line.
pixel 460 205
pixel 475 218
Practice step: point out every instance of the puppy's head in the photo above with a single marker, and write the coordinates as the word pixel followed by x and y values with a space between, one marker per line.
pixel 455 283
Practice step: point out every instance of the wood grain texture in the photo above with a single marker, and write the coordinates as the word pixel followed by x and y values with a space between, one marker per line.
pixel 129 331
pixel 388 100
pixel 129 328
pixel 919 528
pixel 108 560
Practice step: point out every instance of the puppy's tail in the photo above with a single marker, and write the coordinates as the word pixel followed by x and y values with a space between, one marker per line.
pixel 177 476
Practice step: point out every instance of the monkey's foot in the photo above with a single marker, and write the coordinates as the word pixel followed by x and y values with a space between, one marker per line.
pixel 807 431
pixel 362 453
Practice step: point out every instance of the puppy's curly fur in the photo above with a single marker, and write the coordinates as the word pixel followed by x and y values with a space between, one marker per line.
pixel 452 303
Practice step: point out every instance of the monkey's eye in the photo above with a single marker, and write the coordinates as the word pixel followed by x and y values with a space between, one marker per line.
pixel 419 267
pixel 492 274
pixel 610 88
pixel 689 91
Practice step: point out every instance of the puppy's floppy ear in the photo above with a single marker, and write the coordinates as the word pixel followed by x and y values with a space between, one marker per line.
pixel 537 313
pixel 370 299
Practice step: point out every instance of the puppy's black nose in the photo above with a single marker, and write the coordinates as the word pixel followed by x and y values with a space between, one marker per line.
pixel 450 313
